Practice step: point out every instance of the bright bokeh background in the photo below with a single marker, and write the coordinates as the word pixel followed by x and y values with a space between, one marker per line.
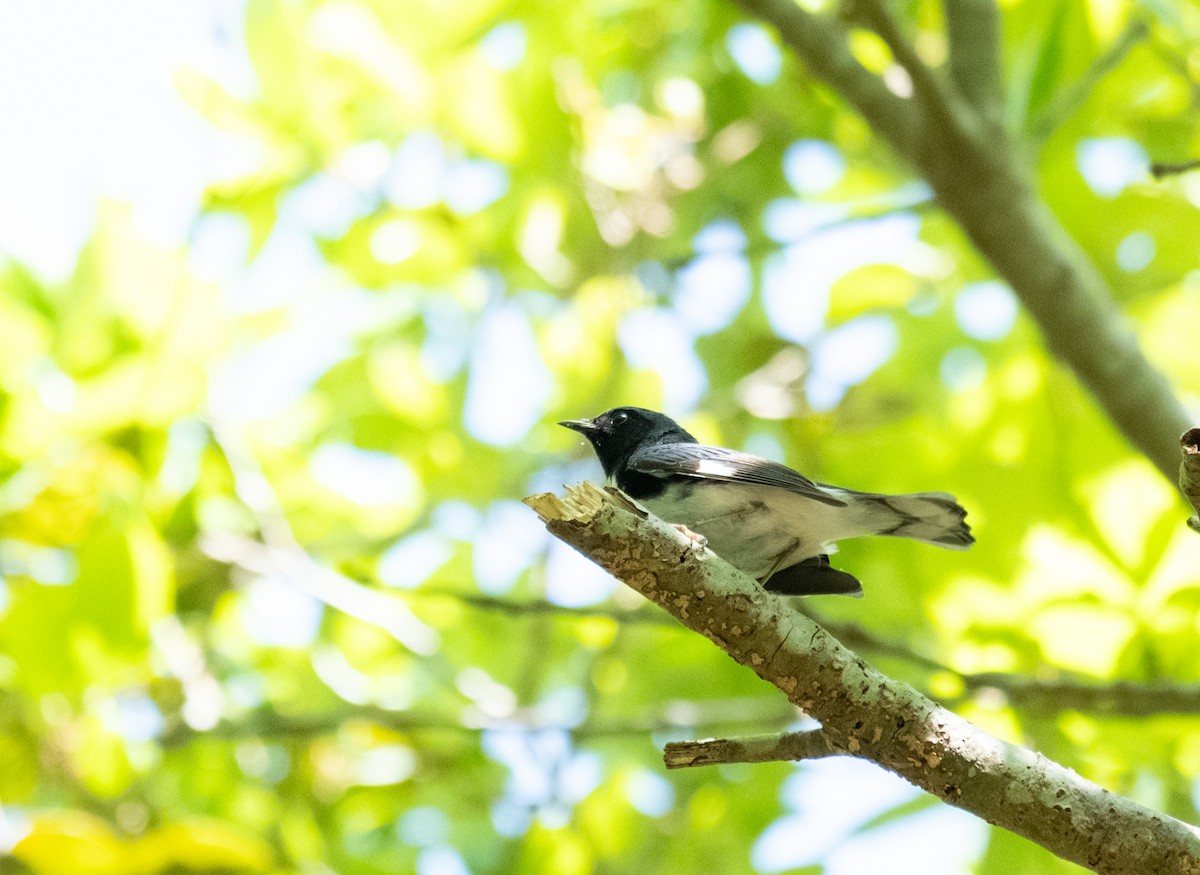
pixel 291 295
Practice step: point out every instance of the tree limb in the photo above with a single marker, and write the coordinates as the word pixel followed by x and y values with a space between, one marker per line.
pixel 861 711
pixel 988 191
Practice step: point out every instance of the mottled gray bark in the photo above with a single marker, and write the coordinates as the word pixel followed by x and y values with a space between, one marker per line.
pixel 862 712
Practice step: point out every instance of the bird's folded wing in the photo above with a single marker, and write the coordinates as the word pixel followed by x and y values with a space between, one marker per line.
pixel 717 463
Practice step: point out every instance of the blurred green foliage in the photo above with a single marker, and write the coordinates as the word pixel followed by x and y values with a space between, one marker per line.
pixel 453 226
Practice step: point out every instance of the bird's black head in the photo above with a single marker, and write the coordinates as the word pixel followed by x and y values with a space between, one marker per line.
pixel 616 433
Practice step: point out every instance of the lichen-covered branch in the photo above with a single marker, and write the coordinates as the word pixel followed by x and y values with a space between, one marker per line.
pixel 986 188
pixel 1189 472
pixel 862 712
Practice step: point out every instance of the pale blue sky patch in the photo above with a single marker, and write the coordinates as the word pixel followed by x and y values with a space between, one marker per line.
pixel 325 205
pixel 1135 252
pixel 711 290
pixel 447 336
pixel 947 841
pixel 798 281
pixel 788 220
pixel 441 860
pixel 755 52
pixel 650 793
pixel 422 826
pixel 187 439
pixel 457 519
pixel 107 81
pixel 136 717
pixel 509 383
pixel 812 167
pixel 846 356
pixel 366 477
pixel 830 798
pixel 765 445
pixel 474 184
pixel 722 235
pixel 511 539
pixel 219 246
pixel 503 47
pixel 963 368
pixel 986 310
pixel 419 167
pixel 530 757
pixel 653 339
pixel 510 818
pixel 276 613
pixel 1110 164
pixel 573 581
pixel 264 380
pixel 288 266
pixel 412 560
pixel 49 566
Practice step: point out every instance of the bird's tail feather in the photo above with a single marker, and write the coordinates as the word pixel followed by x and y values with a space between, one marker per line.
pixel 932 517
pixel 813 576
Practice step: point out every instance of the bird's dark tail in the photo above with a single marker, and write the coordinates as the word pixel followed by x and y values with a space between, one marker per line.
pixel 933 517
pixel 813 577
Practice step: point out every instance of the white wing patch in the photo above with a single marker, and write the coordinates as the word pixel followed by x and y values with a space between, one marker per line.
pixel 716 468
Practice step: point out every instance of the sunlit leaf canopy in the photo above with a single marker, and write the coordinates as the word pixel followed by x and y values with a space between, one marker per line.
pixel 291 296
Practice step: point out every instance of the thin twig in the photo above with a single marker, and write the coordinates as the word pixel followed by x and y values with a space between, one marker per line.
pixel 940 100
pixel 809 745
pixel 1162 169
pixel 1068 101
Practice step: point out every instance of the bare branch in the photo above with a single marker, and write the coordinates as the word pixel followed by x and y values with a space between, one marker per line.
pixel 1162 169
pixel 295 566
pixel 752 749
pixel 941 103
pixel 1043 695
pixel 737 714
pixel 861 711
pixel 1068 101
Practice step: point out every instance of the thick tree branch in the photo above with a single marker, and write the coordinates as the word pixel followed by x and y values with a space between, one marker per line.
pixel 1189 472
pixel 863 712
pixel 987 190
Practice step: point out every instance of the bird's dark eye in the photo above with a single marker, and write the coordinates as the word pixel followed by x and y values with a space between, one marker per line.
pixel 619 417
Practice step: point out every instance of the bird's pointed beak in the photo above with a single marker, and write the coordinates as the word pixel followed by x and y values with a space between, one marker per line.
pixel 583 426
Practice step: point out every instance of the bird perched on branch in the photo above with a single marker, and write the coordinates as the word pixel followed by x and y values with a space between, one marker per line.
pixel 762 517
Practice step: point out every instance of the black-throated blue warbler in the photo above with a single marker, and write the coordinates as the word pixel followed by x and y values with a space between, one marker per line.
pixel 762 517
